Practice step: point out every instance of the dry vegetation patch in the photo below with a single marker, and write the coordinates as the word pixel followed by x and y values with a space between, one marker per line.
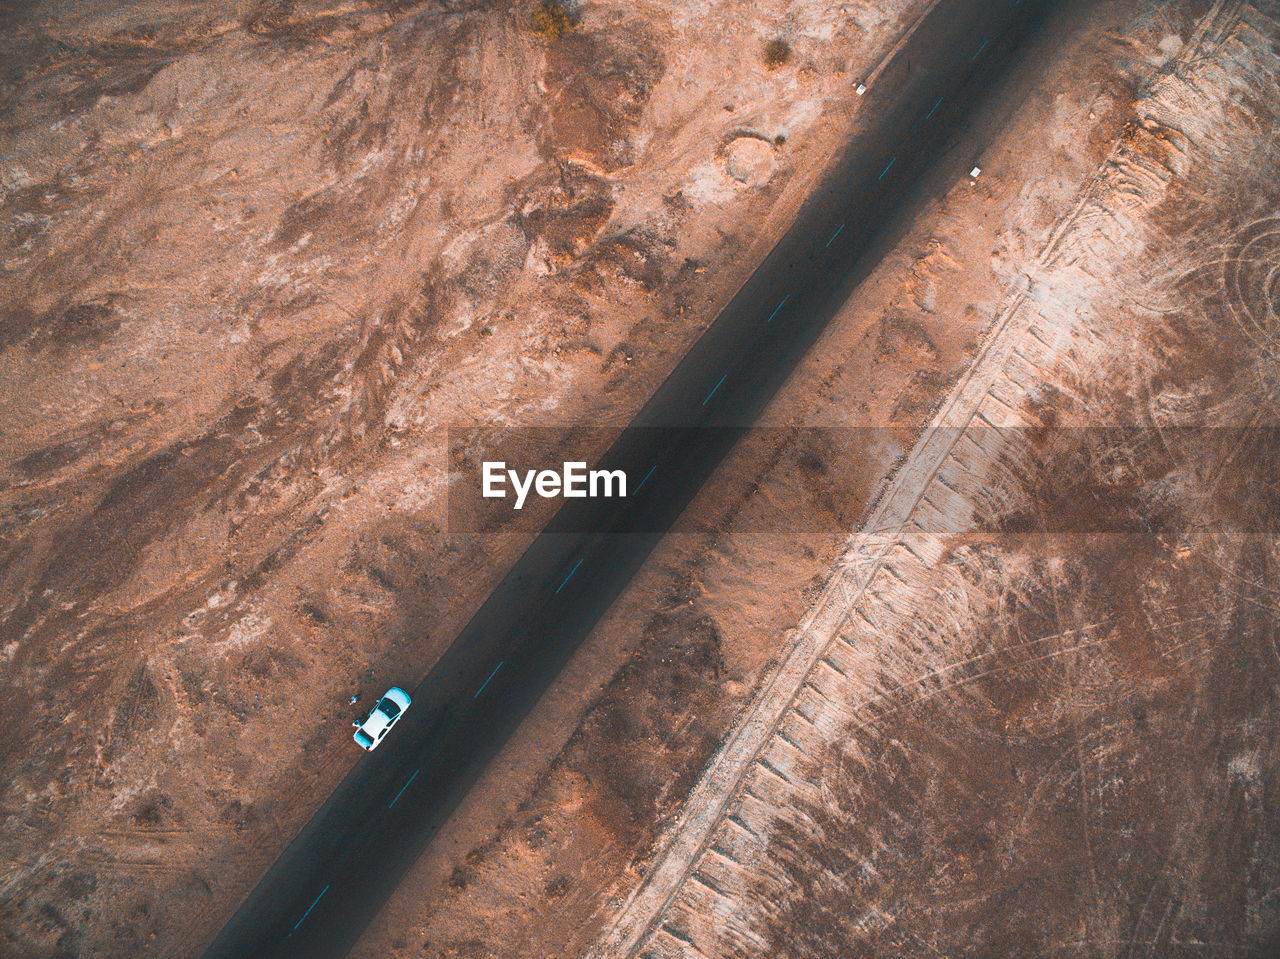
pixel 551 19
pixel 777 53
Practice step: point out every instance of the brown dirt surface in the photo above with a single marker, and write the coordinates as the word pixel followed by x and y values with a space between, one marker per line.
pixel 255 259
pixel 955 792
pixel 1038 725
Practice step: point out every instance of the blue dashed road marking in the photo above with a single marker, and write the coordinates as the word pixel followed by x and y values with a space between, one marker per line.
pixel 646 478
pixel 492 674
pixel 408 784
pixel 564 583
pixel 714 388
pixel 309 908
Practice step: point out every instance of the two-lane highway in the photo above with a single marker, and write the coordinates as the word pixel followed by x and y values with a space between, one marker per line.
pixel 330 881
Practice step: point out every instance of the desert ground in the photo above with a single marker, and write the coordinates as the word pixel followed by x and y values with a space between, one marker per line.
pixel 1006 687
pixel 257 260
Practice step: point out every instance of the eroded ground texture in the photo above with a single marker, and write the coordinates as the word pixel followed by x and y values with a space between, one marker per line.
pixel 1034 711
pixel 1031 709
pixel 257 257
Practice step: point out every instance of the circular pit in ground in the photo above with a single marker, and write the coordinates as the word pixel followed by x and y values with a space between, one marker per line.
pixel 749 160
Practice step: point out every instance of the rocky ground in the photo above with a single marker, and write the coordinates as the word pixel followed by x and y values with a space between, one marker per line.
pixel 257 259
pixel 1005 769
pixel 1031 707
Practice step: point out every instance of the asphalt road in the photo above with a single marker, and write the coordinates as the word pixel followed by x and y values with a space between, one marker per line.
pixel 321 893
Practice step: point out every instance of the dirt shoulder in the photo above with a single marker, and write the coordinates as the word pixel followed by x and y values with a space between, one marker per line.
pixel 1037 685
pixel 652 695
pixel 256 258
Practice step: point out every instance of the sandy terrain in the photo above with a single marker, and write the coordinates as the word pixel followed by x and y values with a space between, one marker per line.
pixel 255 259
pixel 1037 732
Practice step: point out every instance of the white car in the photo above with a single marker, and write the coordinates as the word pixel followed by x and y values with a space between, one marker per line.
pixel 371 730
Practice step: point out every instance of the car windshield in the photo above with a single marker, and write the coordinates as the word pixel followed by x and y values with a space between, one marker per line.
pixel 389 707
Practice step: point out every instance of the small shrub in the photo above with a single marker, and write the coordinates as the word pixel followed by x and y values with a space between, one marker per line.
pixel 777 53
pixel 551 19
pixel 780 139
pixel 461 877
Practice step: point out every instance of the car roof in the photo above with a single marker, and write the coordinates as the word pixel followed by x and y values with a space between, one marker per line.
pixel 376 723
pixel 398 696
